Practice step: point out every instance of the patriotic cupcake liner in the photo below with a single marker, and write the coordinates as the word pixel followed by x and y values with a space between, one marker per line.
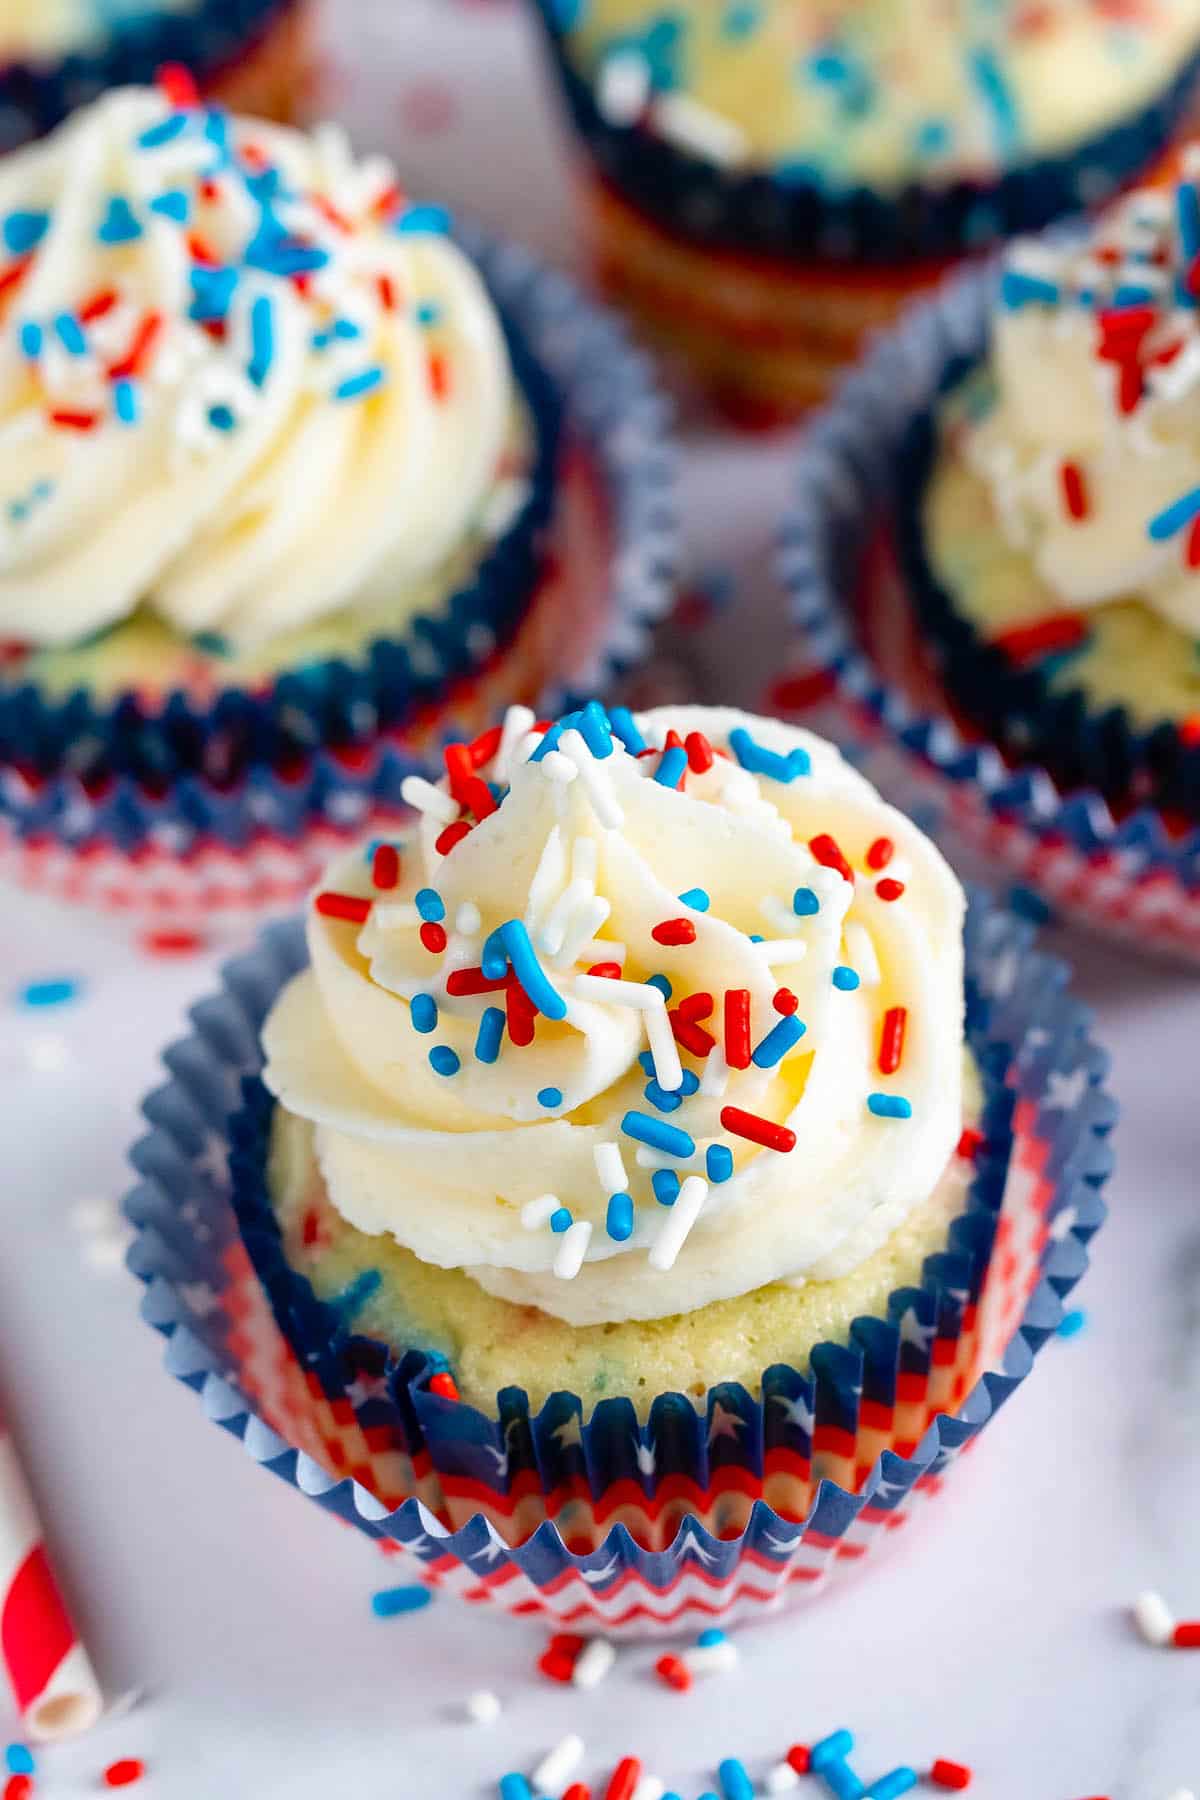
pixel 227 45
pixel 602 577
pixel 850 561
pixel 755 213
pixel 715 1510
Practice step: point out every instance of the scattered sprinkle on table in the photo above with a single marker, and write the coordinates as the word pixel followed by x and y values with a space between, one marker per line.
pixel 389 1603
pixel 52 990
pixel 124 1773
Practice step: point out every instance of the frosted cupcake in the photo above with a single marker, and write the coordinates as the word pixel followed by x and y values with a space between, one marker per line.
pixel 771 180
pixel 643 1074
pixel 1055 539
pixel 56 55
pixel 277 467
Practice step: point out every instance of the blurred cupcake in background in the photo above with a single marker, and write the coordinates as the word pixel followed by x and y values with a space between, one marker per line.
pixel 278 479
pixel 56 55
pixel 770 180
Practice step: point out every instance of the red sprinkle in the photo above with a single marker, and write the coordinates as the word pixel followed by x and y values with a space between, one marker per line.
pixel 891 1039
pixel 485 746
pixel 950 1774
pixel 18 1787
pixel 10 276
pixel 1057 631
pixel 757 1130
pixel 889 888
pixel 566 1643
pixel 453 834
pixel 75 421
pixel 626 1776
pixel 1186 1636
pixel 385 866
pixel 557 1666
pixel 1129 390
pixel 178 84
pixel 170 942
pixel 97 306
pixel 351 907
pixel 1192 548
pixel 969 1143
pixel 675 1672
pixel 577 1791
pixel 799 1756
pixel 439 374
pixel 124 1773
pixel 310 1231
pixel 202 252
pixel 696 1006
pixel 387 291
pixel 136 357
pixel 443 1383
pixel 828 853
pixel 693 1037
pixel 473 981
pixel 1189 731
pixel 674 931
pixel 785 1002
pixel 433 936
pixel 1074 489
pixel 471 793
pixel 699 752
pixel 519 1013
pixel 607 971
pixel 737 1027
pixel 880 853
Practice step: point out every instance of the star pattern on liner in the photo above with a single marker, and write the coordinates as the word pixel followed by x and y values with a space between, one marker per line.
pixel 914 1332
pixel 492 1551
pixel 1062 1224
pixel 213 1161
pixel 799 1413
pixel 690 1545
pixel 366 1387
pixel 199 1297
pixel 785 1546
pixel 569 1434
pixel 647 1461
pixel 594 1577
pixel 724 1423
pixel 1065 1091
pixel 501 1460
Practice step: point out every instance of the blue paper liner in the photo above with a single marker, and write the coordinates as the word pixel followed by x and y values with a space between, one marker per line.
pixel 36 96
pixel 613 416
pixel 650 1520
pixel 854 485
pixel 757 214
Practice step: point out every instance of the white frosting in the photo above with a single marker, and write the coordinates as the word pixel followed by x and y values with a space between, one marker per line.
pixel 254 491
pixel 591 865
pixel 1059 415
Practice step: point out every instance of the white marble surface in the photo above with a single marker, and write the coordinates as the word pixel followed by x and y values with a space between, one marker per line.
pixel 996 1632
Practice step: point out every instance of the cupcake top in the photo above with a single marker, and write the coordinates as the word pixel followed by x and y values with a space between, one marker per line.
pixel 244 383
pixel 877 92
pixel 646 1013
pixel 36 30
pixel 1084 425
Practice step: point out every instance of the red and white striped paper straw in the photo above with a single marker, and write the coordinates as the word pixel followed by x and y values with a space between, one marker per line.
pixel 52 1679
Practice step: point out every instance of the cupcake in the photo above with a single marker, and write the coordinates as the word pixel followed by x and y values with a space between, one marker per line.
pixel 56 55
pixel 771 180
pixel 292 474
pixel 631 1148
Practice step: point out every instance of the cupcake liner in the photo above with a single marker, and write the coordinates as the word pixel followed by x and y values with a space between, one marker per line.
pixel 603 1522
pixel 726 209
pixel 603 577
pixel 1136 875
pixel 34 97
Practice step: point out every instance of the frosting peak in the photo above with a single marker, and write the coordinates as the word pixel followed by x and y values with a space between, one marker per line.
pixel 242 379
pixel 634 1021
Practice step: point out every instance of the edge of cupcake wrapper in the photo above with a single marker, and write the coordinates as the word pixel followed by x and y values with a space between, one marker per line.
pixel 610 401
pixel 36 96
pixel 1036 1048
pixel 759 215
pixel 844 475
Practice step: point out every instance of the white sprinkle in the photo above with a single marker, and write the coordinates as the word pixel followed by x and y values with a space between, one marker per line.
pixel 649 1788
pixel 678 1223
pixel 599 788
pixel 655 1159
pixel 778 914
pixel 395 915
pixel 425 798
pixel 599 950
pixel 1153 1618
pixel 558 1765
pixel 1182 1794
pixel 696 127
pixel 558 767
pixel 515 729
pixel 784 950
pixel 610 1168
pixel 587 920
pixel 624 86
pixel 539 1212
pixel 637 994
pixel 594 1662
pixel 482 1708
pixel 712 1659
pixel 781 1779
pixel 668 1070
pixel 861 954
pixel 468 919
pixel 715 1078
pixel 553 933
pixel 573 1249
pixel 585 859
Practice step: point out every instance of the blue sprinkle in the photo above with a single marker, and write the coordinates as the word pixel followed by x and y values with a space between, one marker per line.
pixel 389 1603
pixel 125 401
pixel 172 205
pixel 428 313
pixel 735 1783
pixel 23 231
pixel 560 1221
pixel 623 723
pixel 119 224
pixel 431 906
pixel 443 1060
pixel 162 133
pixel 212 643
pixel 990 79
pixel 212 292
pixel 933 137
pixel 690 1083
pixel 697 899
pixel 1018 289
pixel 424 1011
pixel 661 1100
pixel 1187 207
pixel 708 1638
pixel 494 959
pixel 780 1039
pixel 346 329
pixel 647 1062
pixel 619 1220
pixel 529 972
pixel 550 1097
pixel 1174 517
pixel 718 1163
pixel 890 1787
pixel 741 19
pixel 665 1183
pixel 31 340
pixel 19 1760
pixel 832 1749
pixel 549 742
pixel 805 902
pixel 671 769
pixel 353 1298
pixel 424 218
pixel 515 1787
pixel 760 761
pixel 262 339
pixel 221 417
pixel 889 1106
pixel 596 730
pixel 658 1134
pixel 491 1035
pixel 756 937
pixel 54 992
pixel 356 386
pixel 1072 1323
pixel 846 979
pixel 70 334
pixel 662 984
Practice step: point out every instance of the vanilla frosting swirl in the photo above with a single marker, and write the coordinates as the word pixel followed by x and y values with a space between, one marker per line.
pixel 439 1123
pixel 1090 440
pixel 242 381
